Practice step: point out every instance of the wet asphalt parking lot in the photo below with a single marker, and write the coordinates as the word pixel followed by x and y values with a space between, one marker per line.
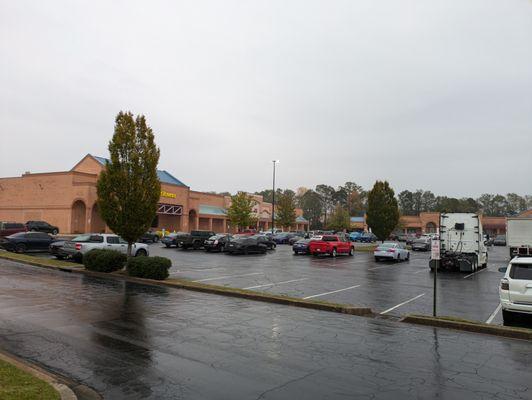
pixel 131 341
pixel 388 288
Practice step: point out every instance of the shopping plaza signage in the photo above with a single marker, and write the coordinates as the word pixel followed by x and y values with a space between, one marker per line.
pixel 168 194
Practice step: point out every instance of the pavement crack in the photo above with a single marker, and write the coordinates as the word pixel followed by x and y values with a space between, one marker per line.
pixel 289 383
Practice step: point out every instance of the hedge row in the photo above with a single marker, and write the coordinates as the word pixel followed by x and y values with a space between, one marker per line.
pixel 140 267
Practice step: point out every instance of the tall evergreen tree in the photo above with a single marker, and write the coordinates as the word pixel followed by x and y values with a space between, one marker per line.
pixel 285 212
pixel 240 213
pixel 383 212
pixel 128 188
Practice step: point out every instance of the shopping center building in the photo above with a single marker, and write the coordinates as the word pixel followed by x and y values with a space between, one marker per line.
pixel 68 200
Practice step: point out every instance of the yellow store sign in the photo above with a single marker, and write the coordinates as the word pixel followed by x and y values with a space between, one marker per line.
pixel 168 194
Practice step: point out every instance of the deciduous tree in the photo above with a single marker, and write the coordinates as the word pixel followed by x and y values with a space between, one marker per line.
pixel 128 188
pixel 285 214
pixel 240 212
pixel 339 219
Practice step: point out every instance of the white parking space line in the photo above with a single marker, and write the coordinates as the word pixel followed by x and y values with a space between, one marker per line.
pixel 227 277
pixel 276 283
pixel 402 304
pixel 477 272
pixel 334 291
pixel 383 266
pixel 422 270
pixel 493 314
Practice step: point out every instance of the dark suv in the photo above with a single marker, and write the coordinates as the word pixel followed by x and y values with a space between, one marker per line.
pixel 195 239
pixel 10 228
pixel 42 226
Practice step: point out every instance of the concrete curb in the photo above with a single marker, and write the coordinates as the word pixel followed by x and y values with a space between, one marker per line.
pixel 199 287
pixel 64 391
pixel 469 326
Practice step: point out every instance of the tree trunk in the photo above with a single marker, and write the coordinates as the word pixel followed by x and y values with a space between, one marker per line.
pixel 129 247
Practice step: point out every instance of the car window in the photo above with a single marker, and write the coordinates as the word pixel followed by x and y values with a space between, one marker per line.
pixel 13 226
pixel 521 271
pixel 95 239
pixel 113 239
pixel 329 238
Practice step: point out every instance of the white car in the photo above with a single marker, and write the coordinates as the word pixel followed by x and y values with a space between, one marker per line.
pixel 391 251
pixel 82 244
pixel 515 289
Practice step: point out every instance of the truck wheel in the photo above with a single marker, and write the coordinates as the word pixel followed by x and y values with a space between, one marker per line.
pixel 21 248
pixel 55 232
pixel 196 245
pixel 351 251
pixel 141 253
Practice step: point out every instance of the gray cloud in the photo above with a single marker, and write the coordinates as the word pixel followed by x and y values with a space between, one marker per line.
pixel 426 94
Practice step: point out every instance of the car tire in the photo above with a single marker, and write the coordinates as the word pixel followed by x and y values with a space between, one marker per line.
pixel 351 251
pixel 377 259
pixel 55 232
pixel 407 256
pixel 21 248
pixel 167 245
pixel 334 253
pixel 155 239
pixel 141 253
pixel 296 253
pixel 196 245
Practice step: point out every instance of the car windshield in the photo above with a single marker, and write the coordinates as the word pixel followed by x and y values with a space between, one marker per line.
pixel 329 238
pixel 521 271
pixel 82 238
pixel 421 240
pixel 500 237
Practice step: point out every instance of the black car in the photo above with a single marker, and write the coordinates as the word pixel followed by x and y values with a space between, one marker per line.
pixel 499 240
pixel 149 237
pixel 246 245
pixel 42 226
pixel 27 241
pixel 421 244
pixel 266 240
pixel 172 239
pixel 301 246
pixel 55 249
pixel 217 243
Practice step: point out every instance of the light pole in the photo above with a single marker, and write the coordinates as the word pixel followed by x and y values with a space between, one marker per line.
pixel 273 196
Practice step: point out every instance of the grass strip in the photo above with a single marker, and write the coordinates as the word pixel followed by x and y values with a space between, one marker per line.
pixel 16 384
pixel 469 326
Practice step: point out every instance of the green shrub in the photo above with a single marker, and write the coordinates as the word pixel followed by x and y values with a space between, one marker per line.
pixel 149 267
pixel 101 260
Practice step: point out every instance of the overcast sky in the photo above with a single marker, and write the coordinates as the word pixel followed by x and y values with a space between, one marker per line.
pixel 426 94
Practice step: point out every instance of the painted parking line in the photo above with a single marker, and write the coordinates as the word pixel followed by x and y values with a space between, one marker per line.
pixel 477 272
pixel 493 314
pixel 276 283
pixel 334 291
pixel 422 270
pixel 402 304
pixel 383 266
pixel 227 277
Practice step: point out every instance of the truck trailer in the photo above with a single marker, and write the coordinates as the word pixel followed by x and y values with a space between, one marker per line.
pixel 462 246
pixel 519 236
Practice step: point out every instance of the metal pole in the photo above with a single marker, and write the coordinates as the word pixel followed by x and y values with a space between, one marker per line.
pixel 436 269
pixel 273 198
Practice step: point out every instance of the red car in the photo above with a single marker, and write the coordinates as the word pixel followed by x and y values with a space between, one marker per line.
pixel 10 228
pixel 331 245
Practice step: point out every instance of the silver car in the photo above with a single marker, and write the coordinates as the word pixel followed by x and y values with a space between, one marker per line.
pixel 391 251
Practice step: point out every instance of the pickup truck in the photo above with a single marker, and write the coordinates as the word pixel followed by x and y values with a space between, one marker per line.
pixel 194 240
pixel 82 244
pixel 331 245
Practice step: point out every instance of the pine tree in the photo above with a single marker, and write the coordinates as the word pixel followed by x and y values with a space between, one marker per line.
pixel 128 188
pixel 383 211
pixel 285 213
pixel 240 213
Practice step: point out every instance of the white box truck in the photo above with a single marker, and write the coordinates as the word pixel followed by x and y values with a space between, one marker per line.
pixel 519 236
pixel 462 246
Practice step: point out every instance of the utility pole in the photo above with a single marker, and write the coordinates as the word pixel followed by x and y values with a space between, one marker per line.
pixel 273 197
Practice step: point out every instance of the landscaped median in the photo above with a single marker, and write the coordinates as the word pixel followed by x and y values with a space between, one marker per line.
pixel 195 286
pixel 469 326
pixel 20 381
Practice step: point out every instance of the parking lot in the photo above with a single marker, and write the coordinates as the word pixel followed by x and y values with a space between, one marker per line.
pixel 388 288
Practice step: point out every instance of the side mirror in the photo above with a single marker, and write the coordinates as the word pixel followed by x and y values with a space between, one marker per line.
pixel 503 269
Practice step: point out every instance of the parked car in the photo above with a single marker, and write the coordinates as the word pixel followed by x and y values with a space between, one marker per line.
pixel 266 240
pixel 294 239
pixel 217 242
pixel 55 249
pixel 367 237
pixel 410 238
pixel 42 226
pixel 331 245
pixel 401 237
pixel 10 228
pixel 515 288
pixel 172 239
pixel 353 236
pixel 149 237
pixel 391 251
pixel 283 238
pixel 23 242
pixel 82 244
pixel 301 246
pixel 499 240
pixel 246 245
pixel 421 244
pixel 195 239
